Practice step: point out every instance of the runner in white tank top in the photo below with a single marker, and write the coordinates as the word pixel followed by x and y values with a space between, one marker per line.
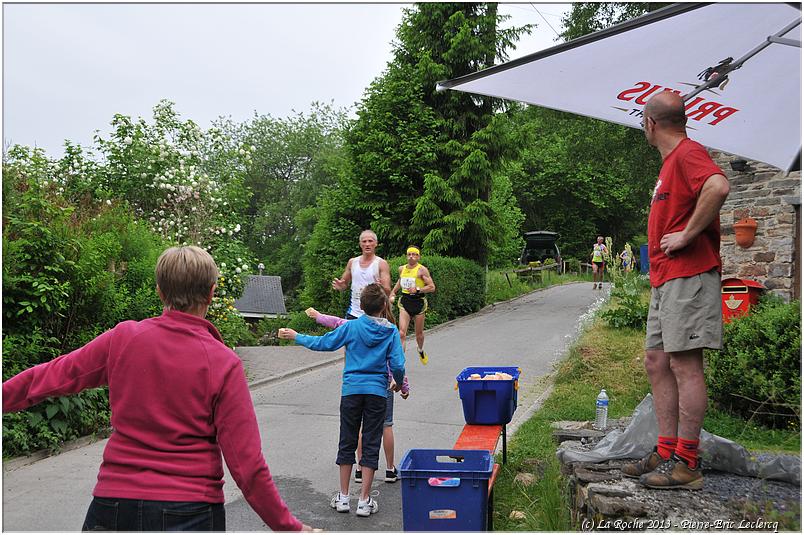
pixel 373 269
pixel 360 279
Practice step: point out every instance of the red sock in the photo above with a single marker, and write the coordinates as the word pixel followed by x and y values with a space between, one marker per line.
pixel 688 450
pixel 666 446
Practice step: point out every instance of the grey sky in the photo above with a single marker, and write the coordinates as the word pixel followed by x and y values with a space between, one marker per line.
pixel 68 68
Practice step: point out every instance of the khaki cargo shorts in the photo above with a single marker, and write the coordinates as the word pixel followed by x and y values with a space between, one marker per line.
pixel 686 314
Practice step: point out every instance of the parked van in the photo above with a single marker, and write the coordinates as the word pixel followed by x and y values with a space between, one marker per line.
pixel 539 246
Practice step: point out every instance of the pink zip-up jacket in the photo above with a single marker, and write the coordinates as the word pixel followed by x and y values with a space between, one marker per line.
pixel 333 322
pixel 179 400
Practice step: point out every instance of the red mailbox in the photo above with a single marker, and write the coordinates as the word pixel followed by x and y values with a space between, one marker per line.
pixel 738 295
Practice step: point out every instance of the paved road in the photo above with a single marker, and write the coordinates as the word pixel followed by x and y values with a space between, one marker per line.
pixel 298 416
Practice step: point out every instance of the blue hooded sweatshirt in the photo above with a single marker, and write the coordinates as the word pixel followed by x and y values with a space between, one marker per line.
pixel 372 347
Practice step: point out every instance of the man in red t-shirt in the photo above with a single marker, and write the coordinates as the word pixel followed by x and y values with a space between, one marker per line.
pixel 684 316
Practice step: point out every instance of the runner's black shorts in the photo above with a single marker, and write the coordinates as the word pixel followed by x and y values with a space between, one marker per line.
pixel 412 304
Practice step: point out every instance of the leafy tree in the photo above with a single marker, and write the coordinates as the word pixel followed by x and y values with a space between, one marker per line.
pixel 187 183
pixel 422 163
pixel 505 251
pixel 588 17
pixel 294 159
pixel 454 215
pixel 582 177
pixel 334 238
pixel 183 184
pixel 69 273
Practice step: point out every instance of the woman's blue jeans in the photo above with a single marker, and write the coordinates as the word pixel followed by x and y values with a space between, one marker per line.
pixel 115 514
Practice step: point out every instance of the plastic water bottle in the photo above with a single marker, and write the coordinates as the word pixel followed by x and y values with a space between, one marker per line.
pixel 601 410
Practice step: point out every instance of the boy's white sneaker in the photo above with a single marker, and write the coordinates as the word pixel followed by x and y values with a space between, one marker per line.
pixel 340 502
pixel 365 508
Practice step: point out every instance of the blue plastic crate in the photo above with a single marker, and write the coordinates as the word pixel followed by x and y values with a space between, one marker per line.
pixel 455 500
pixel 488 402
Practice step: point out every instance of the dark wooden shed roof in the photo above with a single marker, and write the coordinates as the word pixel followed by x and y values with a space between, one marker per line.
pixel 261 297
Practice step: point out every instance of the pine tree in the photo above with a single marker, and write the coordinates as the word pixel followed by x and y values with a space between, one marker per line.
pixel 423 159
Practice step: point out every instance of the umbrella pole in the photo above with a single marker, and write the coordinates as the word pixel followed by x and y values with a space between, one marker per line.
pixel 775 38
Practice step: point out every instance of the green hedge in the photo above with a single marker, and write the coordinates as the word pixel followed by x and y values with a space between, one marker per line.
pixel 757 375
pixel 68 275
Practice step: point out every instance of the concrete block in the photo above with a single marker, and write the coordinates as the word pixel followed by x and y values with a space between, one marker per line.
pixel 616 507
pixel 785 182
pixel 780 270
pixel 755 270
pixel 782 243
pixel 560 435
pixel 786 218
pixel 588 476
pixel 768 201
pixel 608 490
pixel 778 284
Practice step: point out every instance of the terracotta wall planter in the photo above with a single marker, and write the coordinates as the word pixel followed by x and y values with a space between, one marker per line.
pixel 744 232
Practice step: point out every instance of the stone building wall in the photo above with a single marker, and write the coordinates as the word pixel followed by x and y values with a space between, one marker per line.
pixel 772 197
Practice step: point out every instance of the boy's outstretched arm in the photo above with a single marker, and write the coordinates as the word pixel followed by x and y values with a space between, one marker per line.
pixel 329 342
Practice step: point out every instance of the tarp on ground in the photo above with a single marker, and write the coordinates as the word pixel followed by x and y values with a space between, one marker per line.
pixel 717 453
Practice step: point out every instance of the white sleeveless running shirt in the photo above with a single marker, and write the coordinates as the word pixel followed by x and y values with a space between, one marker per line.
pixel 360 279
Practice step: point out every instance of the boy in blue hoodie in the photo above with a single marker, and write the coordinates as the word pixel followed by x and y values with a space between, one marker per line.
pixel 372 347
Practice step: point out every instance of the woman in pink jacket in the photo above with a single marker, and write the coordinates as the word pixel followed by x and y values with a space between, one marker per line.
pixel 179 400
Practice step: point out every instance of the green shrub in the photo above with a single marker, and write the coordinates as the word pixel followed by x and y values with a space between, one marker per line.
pixel 630 309
pixel 757 375
pixel 232 327
pixel 460 286
pixel 48 424
pixel 573 265
pixel 68 275
pixel 25 349
pixel 500 287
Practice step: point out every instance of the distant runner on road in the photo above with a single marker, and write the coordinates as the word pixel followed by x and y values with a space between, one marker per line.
pixel 598 262
pixel 415 281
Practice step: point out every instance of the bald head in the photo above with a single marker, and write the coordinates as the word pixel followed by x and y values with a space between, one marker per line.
pixel 666 109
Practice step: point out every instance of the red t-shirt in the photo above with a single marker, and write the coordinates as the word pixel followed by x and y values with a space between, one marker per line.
pixel 683 174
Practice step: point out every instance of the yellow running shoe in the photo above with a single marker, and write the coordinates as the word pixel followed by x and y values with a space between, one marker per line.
pixel 423 356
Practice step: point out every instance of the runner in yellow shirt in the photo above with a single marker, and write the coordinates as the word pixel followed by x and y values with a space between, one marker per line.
pixel 414 281
pixel 598 262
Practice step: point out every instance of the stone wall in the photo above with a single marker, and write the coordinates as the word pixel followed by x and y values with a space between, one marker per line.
pixel 601 499
pixel 771 197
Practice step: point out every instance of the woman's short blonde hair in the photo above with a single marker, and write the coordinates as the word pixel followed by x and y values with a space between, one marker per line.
pixel 185 275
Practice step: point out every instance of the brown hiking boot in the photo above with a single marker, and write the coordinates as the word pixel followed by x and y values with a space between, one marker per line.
pixel 674 474
pixel 648 463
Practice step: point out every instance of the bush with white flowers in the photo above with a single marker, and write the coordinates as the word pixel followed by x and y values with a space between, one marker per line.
pixel 185 183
